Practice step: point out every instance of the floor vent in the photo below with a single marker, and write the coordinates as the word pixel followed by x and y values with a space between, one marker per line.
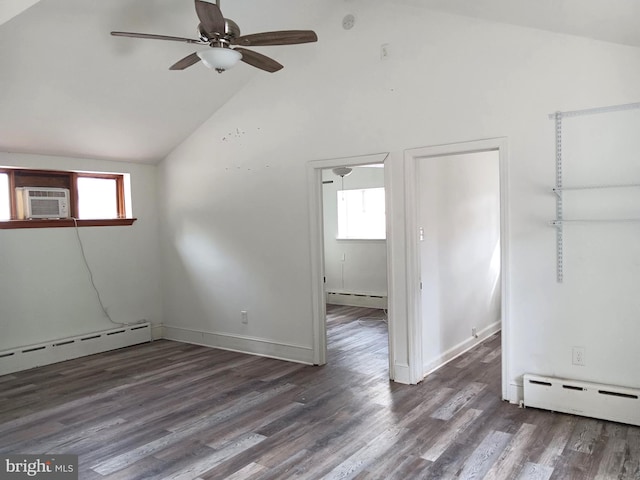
pixel 607 402
pixel 31 356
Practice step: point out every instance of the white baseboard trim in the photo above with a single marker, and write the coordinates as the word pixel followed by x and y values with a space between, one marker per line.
pixel 241 344
pixel 516 393
pixel 401 374
pixel 157 332
pixel 351 299
pixel 461 348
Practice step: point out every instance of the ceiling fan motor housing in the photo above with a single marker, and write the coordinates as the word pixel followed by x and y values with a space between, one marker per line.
pixel 231 30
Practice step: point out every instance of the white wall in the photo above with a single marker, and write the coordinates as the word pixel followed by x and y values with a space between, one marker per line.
pixel 237 227
pixel 45 292
pixel 459 212
pixel 352 266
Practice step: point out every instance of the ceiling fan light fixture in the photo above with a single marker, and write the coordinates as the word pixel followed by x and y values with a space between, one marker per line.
pixel 220 58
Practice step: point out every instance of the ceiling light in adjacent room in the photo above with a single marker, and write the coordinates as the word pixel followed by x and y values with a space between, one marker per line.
pixel 342 171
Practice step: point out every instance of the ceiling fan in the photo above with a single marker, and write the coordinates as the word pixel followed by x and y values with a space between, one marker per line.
pixel 223 36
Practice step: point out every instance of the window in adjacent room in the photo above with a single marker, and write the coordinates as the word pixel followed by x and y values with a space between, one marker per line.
pixel 361 214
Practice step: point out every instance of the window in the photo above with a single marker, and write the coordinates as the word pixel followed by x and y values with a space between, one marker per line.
pixel 95 199
pixel 361 214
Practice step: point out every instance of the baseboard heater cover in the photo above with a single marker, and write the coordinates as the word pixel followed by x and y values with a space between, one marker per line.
pixel 54 351
pixel 596 400
pixel 357 299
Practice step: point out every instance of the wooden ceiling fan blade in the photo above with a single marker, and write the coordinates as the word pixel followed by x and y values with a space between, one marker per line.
pixel 185 62
pixel 152 36
pixel 259 60
pixel 210 17
pixel 282 37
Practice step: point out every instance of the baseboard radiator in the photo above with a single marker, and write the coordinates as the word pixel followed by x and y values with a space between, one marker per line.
pixel 357 299
pixel 31 356
pixel 607 402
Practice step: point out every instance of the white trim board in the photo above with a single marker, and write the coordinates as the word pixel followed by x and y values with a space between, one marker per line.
pixel 157 332
pixel 516 393
pixel 401 372
pixel 237 343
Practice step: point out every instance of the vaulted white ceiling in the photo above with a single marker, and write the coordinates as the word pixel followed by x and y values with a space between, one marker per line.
pixel 609 20
pixel 69 88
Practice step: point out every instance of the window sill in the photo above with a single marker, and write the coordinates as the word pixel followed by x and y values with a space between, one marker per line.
pixel 65 222
pixel 361 239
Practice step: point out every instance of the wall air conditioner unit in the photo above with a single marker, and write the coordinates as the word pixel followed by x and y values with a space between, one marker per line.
pixel 42 202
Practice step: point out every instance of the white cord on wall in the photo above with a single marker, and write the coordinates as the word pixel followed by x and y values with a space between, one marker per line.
pixel 84 257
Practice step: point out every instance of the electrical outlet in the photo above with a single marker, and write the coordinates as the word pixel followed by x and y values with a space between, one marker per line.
pixel 244 316
pixel 474 332
pixel 578 356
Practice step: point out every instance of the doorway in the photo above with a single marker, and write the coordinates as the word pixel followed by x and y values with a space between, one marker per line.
pixel 355 267
pixel 456 251
pixel 346 278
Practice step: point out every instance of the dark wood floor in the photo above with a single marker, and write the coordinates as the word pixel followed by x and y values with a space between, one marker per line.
pixel 171 410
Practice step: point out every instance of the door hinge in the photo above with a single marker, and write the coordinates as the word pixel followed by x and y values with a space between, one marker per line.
pixel 420 285
pixel 324 279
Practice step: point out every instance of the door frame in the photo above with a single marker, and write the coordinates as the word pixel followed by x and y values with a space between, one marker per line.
pixel 316 225
pixel 412 192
